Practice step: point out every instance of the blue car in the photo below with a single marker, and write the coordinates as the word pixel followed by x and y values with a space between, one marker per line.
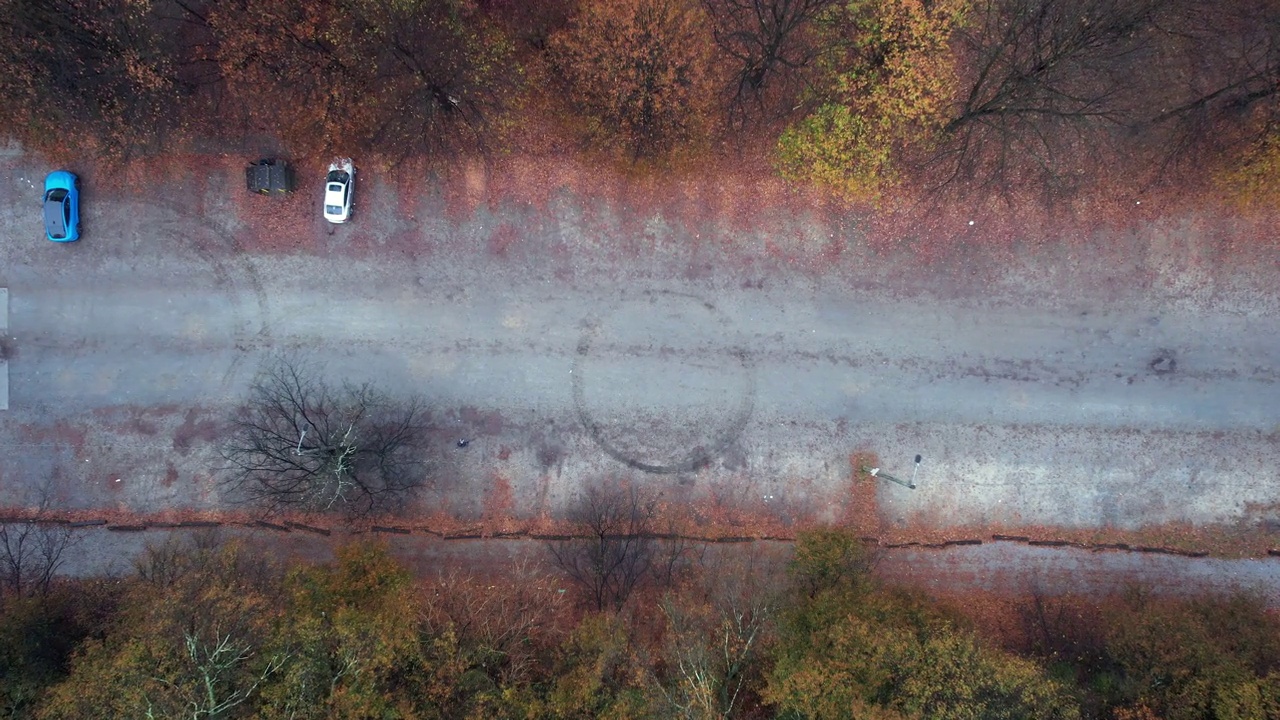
pixel 62 206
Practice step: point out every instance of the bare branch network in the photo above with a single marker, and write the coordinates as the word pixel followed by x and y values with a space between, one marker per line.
pixel 303 445
pixel 31 553
pixel 620 552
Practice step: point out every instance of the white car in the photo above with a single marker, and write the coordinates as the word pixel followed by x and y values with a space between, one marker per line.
pixel 339 186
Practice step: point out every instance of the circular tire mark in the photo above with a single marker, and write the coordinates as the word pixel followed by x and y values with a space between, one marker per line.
pixel 246 278
pixel 234 273
pixel 716 439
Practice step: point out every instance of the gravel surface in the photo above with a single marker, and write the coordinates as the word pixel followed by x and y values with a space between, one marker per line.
pixel 1123 383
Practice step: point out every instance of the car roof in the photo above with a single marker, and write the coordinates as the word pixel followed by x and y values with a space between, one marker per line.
pixel 54 221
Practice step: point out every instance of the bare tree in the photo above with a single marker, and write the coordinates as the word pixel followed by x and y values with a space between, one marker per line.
pixel 716 631
pixel 30 554
pixel 204 554
pixel 1061 627
pixel 675 556
pixel 301 444
pixel 1217 89
pixel 769 43
pixel 31 551
pixel 619 549
pixel 1045 80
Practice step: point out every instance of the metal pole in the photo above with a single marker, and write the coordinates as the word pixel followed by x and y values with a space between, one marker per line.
pixel 875 472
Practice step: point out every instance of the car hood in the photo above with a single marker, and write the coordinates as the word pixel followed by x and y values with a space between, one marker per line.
pixel 59 179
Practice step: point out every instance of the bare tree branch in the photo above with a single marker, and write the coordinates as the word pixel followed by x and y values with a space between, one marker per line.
pixel 1218 95
pixel 619 550
pixel 32 552
pixel 300 444
pixel 769 43
pixel 1046 80
pixel 717 628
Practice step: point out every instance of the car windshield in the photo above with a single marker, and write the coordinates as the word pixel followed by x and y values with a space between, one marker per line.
pixel 332 209
pixel 55 214
pixel 338 176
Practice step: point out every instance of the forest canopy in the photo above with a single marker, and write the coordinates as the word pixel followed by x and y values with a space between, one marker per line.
pixel 209 627
pixel 859 96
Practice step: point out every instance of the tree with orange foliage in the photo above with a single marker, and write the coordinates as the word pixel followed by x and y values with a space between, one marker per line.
pixel 641 71
pixel 349 637
pixel 92 77
pixel 499 635
pixel 719 629
pixel 297 69
pixel 390 79
pixel 601 673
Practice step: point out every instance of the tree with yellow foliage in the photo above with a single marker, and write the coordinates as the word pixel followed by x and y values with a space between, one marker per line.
pixel 349 633
pixel 188 640
pixel 848 649
pixel 1207 657
pixel 888 77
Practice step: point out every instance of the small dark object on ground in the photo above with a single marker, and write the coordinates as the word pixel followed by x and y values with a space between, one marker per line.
pixel 1163 363
pixel 464 442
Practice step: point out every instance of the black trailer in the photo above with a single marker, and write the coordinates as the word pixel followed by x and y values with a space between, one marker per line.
pixel 269 177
